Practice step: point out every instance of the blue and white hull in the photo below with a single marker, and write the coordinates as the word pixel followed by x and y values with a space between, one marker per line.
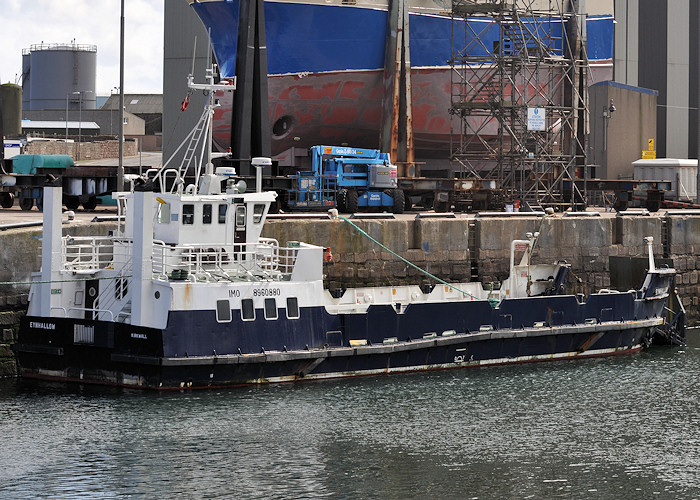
pixel 196 349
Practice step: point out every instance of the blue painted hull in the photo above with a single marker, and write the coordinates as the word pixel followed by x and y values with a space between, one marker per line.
pixel 312 38
pixel 325 71
pixel 196 351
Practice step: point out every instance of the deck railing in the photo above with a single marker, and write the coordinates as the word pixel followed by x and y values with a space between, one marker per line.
pixel 264 259
pixel 85 253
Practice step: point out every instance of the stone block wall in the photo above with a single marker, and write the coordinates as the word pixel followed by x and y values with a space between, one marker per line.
pixel 88 150
pixel 684 248
pixel 440 246
pixel 20 256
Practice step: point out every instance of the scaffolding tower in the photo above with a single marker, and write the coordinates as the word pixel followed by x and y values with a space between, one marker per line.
pixel 519 97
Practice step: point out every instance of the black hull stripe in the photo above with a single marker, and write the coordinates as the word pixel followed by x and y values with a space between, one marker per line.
pixel 485 364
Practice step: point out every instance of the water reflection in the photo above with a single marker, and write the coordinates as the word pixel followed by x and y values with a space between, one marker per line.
pixel 622 428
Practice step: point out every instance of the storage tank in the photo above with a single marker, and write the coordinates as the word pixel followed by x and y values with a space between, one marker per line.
pixel 682 173
pixel 11 110
pixel 62 74
pixel 26 78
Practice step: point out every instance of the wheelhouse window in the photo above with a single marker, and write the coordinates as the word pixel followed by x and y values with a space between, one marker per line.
pixel 270 308
pixel 163 213
pixel 222 213
pixel 240 216
pixel 292 308
pixel 223 311
pixel 258 211
pixel 247 310
pixel 188 214
pixel 206 213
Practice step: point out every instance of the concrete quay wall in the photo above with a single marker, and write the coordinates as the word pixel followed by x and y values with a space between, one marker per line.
pixel 20 256
pixel 450 248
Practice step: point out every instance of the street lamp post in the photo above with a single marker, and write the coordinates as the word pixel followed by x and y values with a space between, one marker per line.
pixel 111 109
pixel 607 114
pixel 66 150
pixel 80 117
pixel 120 168
pixel 80 120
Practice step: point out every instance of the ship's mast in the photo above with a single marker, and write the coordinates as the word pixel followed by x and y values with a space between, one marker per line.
pixel 210 87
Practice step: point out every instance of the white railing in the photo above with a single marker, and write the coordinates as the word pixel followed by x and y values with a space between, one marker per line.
pixel 262 260
pixel 94 312
pixel 80 253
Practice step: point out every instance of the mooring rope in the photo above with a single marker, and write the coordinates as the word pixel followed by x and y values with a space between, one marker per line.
pixel 334 215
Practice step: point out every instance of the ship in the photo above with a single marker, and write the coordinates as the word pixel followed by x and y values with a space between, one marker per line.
pixel 186 293
pixel 325 64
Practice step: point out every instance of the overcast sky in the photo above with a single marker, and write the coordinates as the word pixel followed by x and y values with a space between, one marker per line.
pixel 27 22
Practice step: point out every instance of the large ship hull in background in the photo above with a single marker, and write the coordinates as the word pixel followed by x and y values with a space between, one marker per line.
pixel 325 69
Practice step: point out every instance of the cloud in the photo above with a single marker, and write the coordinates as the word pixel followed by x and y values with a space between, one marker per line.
pixel 92 23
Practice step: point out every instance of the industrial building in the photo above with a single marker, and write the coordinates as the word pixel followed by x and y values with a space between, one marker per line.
pixel 657 45
pixel 148 107
pixel 106 119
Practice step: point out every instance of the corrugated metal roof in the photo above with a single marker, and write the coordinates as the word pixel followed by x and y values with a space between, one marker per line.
pixel 137 103
pixel 59 125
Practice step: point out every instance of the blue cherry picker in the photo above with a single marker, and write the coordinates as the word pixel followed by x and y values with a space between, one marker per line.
pixel 349 179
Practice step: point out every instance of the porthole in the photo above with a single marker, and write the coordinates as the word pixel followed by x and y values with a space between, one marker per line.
pixel 247 310
pixel 223 311
pixel 270 308
pixel 292 308
pixel 157 294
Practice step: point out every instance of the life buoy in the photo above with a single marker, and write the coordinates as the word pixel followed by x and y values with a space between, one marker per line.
pixel 327 255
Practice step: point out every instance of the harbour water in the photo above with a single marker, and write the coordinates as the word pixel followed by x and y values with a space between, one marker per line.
pixel 624 427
